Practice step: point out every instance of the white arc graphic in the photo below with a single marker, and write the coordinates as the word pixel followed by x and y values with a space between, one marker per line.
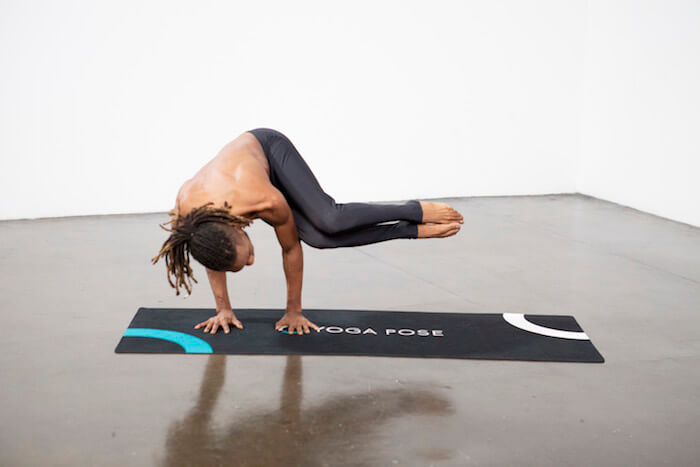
pixel 518 320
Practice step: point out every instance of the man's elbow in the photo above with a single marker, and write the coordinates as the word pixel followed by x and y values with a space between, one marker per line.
pixel 292 248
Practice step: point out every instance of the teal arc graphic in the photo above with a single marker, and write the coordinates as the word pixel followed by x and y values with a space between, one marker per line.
pixel 190 343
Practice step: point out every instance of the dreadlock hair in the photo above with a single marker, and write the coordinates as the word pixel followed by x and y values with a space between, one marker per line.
pixel 205 232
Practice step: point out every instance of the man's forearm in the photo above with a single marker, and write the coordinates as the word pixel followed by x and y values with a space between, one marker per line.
pixel 293 262
pixel 217 280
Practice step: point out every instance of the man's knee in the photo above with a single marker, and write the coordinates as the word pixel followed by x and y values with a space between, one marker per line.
pixel 329 221
pixel 318 240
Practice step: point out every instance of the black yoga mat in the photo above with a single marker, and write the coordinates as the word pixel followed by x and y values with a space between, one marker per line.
pixel 357 332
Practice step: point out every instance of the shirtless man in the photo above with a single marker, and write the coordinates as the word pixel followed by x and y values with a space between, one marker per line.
pixel 261 175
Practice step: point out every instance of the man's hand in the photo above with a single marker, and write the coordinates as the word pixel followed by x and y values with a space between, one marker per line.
pixel 223 319
pixel 295 322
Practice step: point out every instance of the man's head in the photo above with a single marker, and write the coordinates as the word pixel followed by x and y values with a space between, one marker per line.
pixel 244 251
pixel 213 236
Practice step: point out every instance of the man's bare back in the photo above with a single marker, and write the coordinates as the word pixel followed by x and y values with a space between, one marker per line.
pixel 239 175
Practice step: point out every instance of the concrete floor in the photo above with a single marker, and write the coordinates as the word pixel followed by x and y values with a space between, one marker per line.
pixel 70 286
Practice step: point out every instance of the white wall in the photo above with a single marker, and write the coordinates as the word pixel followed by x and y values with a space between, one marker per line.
pixel 107 107
pixel 640 127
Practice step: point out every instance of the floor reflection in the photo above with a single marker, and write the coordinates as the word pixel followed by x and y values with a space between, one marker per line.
pixel 340 429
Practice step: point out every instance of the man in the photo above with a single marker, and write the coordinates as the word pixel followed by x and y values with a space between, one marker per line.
pixel 260 174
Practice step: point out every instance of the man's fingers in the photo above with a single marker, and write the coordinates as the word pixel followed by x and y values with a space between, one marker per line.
pixel 303 328
pixel 212 325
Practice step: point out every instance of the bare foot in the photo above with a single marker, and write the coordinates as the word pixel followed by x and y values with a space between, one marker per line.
pixel 438 230
pixel 439 213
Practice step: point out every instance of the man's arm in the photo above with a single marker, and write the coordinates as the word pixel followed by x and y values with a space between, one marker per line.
pixel 217 280
pixel 292 254
pixel 279 215
pixel 293 263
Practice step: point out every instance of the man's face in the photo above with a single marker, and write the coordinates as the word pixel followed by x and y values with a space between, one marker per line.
pixel 245 253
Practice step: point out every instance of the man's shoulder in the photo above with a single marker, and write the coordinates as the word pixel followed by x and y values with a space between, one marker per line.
pixel 276 209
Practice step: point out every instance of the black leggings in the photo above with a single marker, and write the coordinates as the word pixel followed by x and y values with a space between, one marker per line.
pixel 320 221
